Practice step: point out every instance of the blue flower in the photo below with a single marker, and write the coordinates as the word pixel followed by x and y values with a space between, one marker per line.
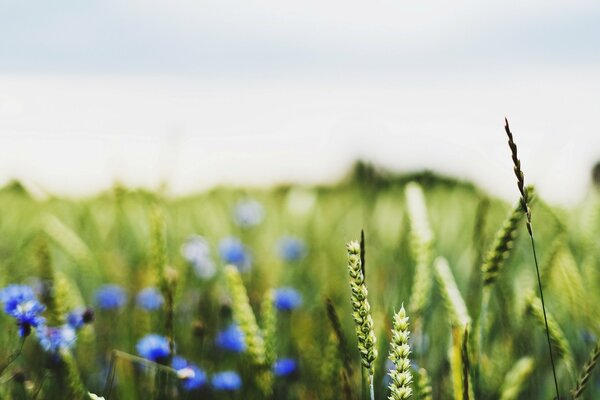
pixel 21 304
pixel 149 299
pixel 13 295
pixel 287 299
pixel 110 297
pixel 248 213
pixel 178 363
pixel 153 347
pixel 285 367
pixel 291 249
pixel 232 251
pixel 226 380
pixel 196 380
pixel 76 319
pixel 197 252
pixel 231 339
pixel 191 375
pixel 54 339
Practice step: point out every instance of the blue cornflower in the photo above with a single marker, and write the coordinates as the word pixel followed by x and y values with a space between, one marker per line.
pixel 197 252
pixel 287 299
pixel 226 380
pixel 110 297
pixel 13 295
pixel 291 249
pixel 285 367
pixel 54 339
pixel 77 318
pixel 149 299
pixel 248 213
pixel 195 378
pixel 178 363
pixel 153 347
pixel 232 251
pixel 21 304
pixel 192 377
pixel 231 339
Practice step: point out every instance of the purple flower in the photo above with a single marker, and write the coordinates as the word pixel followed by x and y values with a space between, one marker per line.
pixel 110 297
pixel 226 380
pixel 54 339
pixel 231 339
pixel 287 299
pixel 149 299
pixel 232 251
pixel 285 367
pixel 248 213
pixel 291 249
pixel 153 347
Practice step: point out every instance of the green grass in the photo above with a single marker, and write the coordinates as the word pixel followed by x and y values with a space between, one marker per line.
pixel 108 239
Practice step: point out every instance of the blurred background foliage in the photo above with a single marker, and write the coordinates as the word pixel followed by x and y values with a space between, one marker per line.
pixel 107 239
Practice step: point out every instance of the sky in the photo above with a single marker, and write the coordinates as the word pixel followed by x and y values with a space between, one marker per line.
pixel 200 93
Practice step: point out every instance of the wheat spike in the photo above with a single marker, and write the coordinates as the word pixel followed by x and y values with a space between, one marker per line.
pixel 361 311
pixel 421 240
pixel 586 372
pixel 516 378
pixel 400 386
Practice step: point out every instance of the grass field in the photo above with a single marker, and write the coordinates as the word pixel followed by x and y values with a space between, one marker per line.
pixel 291 260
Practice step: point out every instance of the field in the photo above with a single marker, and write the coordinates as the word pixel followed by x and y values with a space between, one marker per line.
pixel 288 247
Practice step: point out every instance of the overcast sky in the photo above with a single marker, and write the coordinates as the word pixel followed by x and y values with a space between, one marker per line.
pixel 204 92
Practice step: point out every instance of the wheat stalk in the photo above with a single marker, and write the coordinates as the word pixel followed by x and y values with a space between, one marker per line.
pixel 525 205
pixel 362 312
pixel 423 385
pixel 558 339
pixel 503 244
pixel 400 386
pixel 421 240
pixel 453 301
pixel 269 327
pixel 586 372
pixel 516 378
pixel 243 314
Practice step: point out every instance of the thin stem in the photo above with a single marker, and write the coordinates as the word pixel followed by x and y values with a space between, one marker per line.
pixel 12 357
pixel 40 385
pixel 539 279
pixel 371 387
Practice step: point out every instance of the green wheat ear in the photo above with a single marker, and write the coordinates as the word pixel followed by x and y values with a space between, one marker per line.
pixel 453 301
pixel 421 240
pixel 503 244
pixel 516 378
pixel 557 337
pixel 269 327
pixel 424 391
pixel 243 314
pixel 586 372
pixel 55 310
pixel 361 311
pixel 461 326
pixel 75 388
pixel 400 386
pixel 167 276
